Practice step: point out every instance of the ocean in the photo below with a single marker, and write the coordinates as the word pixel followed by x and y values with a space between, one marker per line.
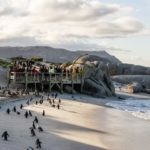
pixel 139 108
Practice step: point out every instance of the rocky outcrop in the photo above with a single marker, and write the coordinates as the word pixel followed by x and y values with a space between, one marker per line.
pixel 128 69
pixel 96 77
pixel 142 80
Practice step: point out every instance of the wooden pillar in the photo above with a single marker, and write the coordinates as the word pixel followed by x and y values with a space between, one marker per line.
pixel 42 87
pixel 26 80
pixel 14 80
pixel 82 83
pixel 61 86
pixel 50 87
pixel 72 83
pixel 35 86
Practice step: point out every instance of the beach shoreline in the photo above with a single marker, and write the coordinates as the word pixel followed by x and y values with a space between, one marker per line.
pixel 83 123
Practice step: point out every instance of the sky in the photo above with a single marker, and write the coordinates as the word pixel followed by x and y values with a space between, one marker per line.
pixel 121 27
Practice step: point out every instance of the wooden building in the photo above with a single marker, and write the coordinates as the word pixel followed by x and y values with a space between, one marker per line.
pixel 28 77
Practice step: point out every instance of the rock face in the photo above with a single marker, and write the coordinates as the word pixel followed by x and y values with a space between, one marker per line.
pixel 140 80
pixel 3 77
pixel 96 77
pixel 128 69
pixel 137 87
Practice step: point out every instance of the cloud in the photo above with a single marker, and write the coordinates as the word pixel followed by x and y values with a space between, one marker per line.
pixel 65 22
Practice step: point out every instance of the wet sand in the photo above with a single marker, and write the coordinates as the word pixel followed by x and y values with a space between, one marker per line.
pixel 124 131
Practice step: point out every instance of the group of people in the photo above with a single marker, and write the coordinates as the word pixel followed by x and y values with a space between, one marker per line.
pixel 30 66
pixel 38 70
pixel 35 123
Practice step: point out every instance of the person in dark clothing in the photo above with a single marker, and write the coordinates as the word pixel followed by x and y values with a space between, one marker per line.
pixel 58 106
pixel 43 114
pixel 30 113
pixel 38 143
pixel 32 132
pixel 26 114
pixel 8 111
pixel 33 125
pixel 21 106
pixel 53 101
pixel 5 135
pixel 36 119
pixel 40 129
pixel 36 102
pixel 14 109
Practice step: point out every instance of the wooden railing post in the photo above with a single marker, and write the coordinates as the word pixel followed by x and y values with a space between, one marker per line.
pixel 61 83
pixel 14 81
pixel 72 83
pixel 50 89
pixel 26 80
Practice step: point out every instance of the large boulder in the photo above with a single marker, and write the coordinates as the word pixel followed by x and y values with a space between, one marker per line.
pixel 96 77
pixel 137 87
pixel 144 80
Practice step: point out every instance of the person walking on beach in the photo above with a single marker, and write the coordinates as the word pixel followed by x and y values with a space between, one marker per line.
pixel 5 135
pixel 36 119
pixel 43 114
pixel 38 143
pixel 8 111
pixel 32 132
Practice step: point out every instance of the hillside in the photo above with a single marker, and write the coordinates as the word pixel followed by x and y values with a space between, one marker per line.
pixel 53 54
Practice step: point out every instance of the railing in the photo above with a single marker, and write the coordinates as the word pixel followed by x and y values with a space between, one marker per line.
pixel 22 77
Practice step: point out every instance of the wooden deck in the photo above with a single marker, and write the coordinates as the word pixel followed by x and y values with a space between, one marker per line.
pixel 59 79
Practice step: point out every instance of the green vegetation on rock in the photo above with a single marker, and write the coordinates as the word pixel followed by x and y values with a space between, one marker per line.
pixel 4 63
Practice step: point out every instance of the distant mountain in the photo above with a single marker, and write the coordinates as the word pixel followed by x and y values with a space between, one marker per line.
pixel 52 54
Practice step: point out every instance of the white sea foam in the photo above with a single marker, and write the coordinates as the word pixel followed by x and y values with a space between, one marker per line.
pixel 138 108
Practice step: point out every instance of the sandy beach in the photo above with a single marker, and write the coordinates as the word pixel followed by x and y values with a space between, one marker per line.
pixel 83 123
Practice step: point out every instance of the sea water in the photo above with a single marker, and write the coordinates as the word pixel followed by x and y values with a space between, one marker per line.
pixel 139 108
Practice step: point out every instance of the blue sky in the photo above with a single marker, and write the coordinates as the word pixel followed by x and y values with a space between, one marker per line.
pixel 121 27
